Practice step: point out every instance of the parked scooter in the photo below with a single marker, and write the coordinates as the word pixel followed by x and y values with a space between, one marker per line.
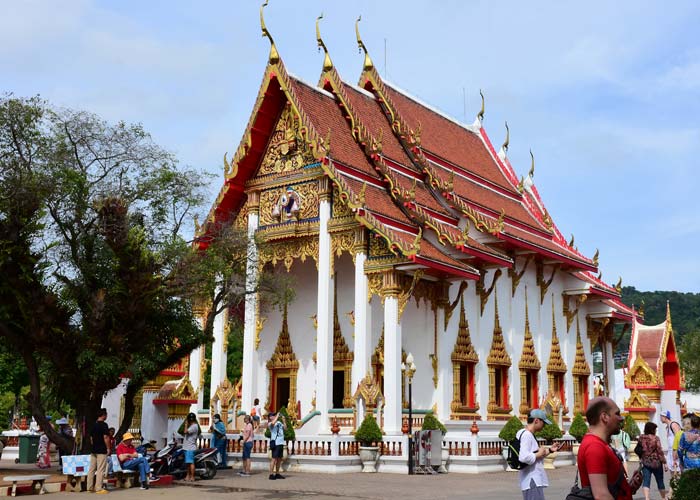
pixel 171 460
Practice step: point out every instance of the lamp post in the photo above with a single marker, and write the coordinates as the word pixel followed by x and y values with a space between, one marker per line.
pixel 409 368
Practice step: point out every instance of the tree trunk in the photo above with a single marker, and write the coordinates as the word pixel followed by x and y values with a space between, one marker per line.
pixel 129 407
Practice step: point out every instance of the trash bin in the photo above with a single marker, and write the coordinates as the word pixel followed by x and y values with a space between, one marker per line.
pixel 28 448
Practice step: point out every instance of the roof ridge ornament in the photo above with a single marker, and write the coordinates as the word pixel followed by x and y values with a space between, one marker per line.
pixel 368 64
pixel 506 143
pixel 480 114
pixel 527 182
pixel 327 63
pixel 596 256
pixel 274 55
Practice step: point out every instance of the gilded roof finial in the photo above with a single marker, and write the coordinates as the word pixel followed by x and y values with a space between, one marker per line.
pixel 595 257
pixel 327 63
pixel 274 55
pixel 571 241
pixel 507 141
pixel 618 286
pixel 668 312
pixel 480 115
pixel 531 173
pixel 368 64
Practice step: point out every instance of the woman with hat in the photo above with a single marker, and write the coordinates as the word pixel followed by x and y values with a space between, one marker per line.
pixel 130 459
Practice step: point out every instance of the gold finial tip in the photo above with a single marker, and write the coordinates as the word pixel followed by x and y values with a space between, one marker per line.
pixel 368 64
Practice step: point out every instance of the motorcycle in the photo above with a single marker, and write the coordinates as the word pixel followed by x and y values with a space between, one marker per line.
pixel 171 460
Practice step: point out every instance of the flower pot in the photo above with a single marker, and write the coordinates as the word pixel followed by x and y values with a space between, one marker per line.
pixel 369 456
pixel 445 457
pixel 632 455
pixel 549 461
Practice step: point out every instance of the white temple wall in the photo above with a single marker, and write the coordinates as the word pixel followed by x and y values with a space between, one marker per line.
pixel 417 332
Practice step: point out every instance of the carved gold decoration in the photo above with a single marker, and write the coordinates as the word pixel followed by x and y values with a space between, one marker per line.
pixel 498 354
pixel 241 220
pixel 556 362
pixel 203 362
pixel 435 363
pixel 541 282
pixel 581 366
pixel 369 390
pixel 378 247
pixel 342 355
pixel 638 399
pixel 642 375
pixel 259 324
pixel 340 207
pixel 569 313
pixel 284 363
pixel 226 395
pixel 618 285
pixel 308 194
pixel 516 276
pixel 449 308
pixel 291 230
pixel 378 354
pixel 351 318
pixel 342 242
pixel 464 357
pixel 498 359
pixel 314 320
pixel 406 293
pixel 481 289
pixel 287 251
pixel 528 358
pixel 287 151
pixel 374 285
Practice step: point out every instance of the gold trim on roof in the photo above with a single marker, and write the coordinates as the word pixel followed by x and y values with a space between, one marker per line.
pixel 637 400
pixel 581 366
pixel 498 354
pixel 528 358
pixel 641 374
pixel 556 362
pixel 464 349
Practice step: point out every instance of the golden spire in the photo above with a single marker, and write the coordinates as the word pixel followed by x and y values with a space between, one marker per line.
pixel 528 359
pixel 480 115
pixel 464 350
pixel 274 55
pixel 618 286
pixel 507 141
pixel 368 65
pixel 327 63
pixel 498 355
pixel 581 366
pixel 556 362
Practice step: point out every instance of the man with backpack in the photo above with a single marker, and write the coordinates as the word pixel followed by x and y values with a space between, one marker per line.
pixel 533 478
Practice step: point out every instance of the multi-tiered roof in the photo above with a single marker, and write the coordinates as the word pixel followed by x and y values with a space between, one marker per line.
pixel 435 190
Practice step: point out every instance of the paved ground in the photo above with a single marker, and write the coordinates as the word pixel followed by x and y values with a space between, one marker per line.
pixel 491 486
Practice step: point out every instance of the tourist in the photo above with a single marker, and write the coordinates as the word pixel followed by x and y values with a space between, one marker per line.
pixel 101 447
pixel 43 456
pixel 653 459
pixel 277 425
pixel 247 444
pixel 621 443
pixel 66 431
pixel 685 424
pixel 189 444
pixel 689 445
pixel 112 446
pixel 219 440
pixel 533 478
pixel 599 467
pixel 256 412
pixel 672 427
pixel 130 459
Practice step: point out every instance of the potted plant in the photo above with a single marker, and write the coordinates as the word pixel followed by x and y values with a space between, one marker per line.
pixel 549 433
pixel 368 435
pixel 631 428
pixel 578 429
pixel 432 423
pixel 507 434
pixel 289 434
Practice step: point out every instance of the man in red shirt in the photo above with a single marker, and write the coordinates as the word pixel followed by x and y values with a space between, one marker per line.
pixel 599 466
pixel 130 459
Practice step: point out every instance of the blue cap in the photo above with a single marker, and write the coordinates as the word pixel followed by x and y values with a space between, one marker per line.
pixel 537 413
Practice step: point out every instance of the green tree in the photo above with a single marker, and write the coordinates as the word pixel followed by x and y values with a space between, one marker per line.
pixel 690 361
pixel 96 280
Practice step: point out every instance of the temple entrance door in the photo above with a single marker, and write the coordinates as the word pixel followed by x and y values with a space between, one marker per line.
pixel 281 391
pixel 338 388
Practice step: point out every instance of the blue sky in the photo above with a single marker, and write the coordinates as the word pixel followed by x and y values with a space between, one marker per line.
pixel 607 94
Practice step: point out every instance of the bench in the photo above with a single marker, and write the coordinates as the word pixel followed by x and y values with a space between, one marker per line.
pixel 125 478
pixel 37 482
pixel 76 468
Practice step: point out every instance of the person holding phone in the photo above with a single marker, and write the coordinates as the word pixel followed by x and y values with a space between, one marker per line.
pixel 277 424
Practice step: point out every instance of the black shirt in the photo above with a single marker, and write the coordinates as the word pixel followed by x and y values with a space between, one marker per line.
pixel 98 433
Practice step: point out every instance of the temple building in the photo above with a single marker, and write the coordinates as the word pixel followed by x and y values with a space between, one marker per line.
pixel 406 232
pixel 653 374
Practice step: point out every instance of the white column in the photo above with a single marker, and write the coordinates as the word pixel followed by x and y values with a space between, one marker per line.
pixel 609 369
pixel 195 378
pixel 444 390
pixel 392 366
pixel 218 353
pixel 363 322
pixel 251 304
pixel 324 336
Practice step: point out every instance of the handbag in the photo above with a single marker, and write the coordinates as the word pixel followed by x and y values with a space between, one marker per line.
pixel 636 480
pixel 578 493
pixel 639 449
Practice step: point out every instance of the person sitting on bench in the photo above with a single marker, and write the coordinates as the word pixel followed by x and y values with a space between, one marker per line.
pixel 130 459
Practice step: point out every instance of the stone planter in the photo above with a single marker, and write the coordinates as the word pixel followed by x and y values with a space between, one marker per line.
pixel 445 457
pixel 575 447
pixel 549 461
pixel 369 455
pixel 632 455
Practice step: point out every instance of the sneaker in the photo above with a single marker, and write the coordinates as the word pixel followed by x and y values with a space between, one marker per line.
pixel 153 479
pixel 144 486
pixel 272 476
pixel 279 476
pixel 244 474
pixel 241 473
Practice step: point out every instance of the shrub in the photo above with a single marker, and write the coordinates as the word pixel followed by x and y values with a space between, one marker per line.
pixel 549 432
pixel 578 427
pixel 685 486
pixel 631 427
pixel 431 423
pixel 510 429
pixel 368 432
pixel 289 434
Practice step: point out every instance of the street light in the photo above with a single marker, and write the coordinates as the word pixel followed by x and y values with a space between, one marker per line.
pixel 409 368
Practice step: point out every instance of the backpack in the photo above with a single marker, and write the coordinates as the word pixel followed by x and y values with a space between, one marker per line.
pixel 514 453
